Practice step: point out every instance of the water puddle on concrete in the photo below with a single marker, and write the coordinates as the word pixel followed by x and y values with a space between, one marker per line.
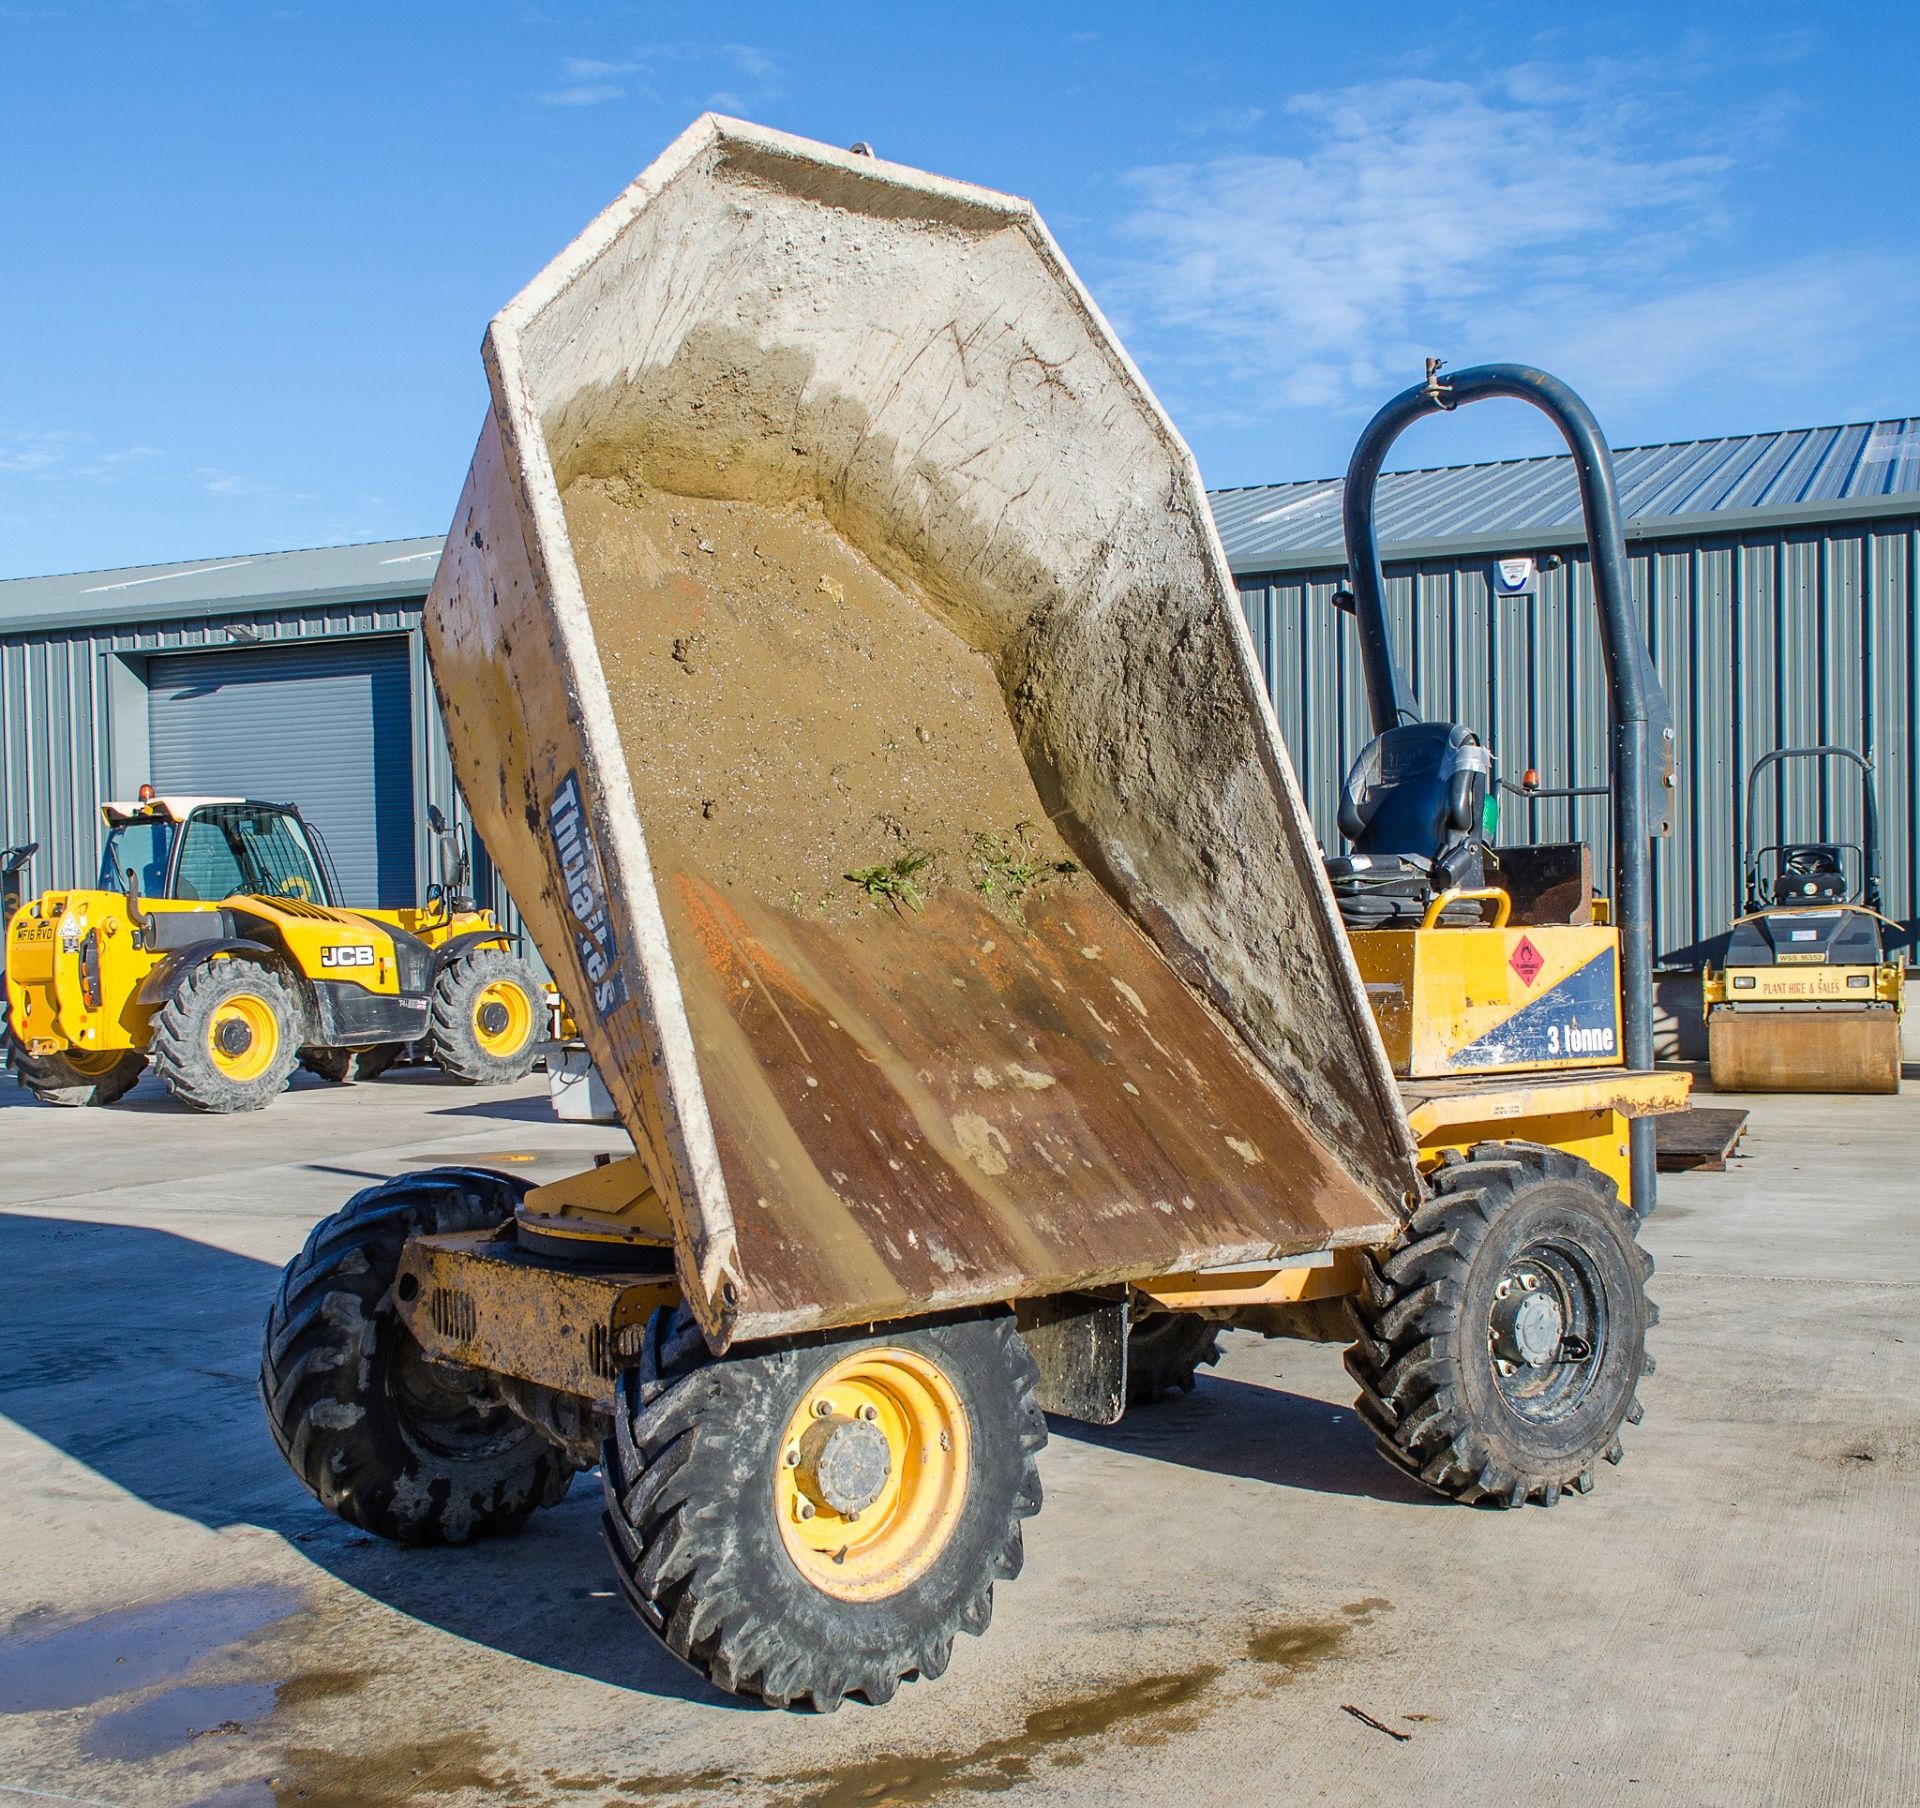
pixel 164 1722
pixel 130 1648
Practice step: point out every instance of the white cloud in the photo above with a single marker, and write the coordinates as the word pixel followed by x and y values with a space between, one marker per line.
pixel 587 69
pixel 106 467
pixel 751 60
pixel 1805 319
pixel 31 453
pixel 582 94
pixel 66 456
pixel 1550 215
pixel 741 68
pixel 216 482
pixel 1224 120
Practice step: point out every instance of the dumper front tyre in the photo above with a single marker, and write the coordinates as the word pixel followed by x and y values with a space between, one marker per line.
pixel 488 1012
pixel 75 1077
pixel 417 1451
pixel 819 1521
pixel 228 1037
pixel 1502 1340
pixel 1165 1351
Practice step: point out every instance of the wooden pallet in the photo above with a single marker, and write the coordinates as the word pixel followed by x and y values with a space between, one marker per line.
pixel 1698 1140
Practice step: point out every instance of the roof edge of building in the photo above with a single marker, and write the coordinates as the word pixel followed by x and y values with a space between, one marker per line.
pixel 1712 524
pixel 133 615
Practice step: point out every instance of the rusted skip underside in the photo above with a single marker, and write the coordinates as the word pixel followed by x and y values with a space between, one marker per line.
pixel 937 1108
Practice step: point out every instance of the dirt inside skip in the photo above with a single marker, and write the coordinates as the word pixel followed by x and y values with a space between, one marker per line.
pixel 791 716
pixel 963 1072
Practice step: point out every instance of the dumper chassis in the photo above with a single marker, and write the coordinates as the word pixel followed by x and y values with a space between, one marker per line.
pixel 816 1399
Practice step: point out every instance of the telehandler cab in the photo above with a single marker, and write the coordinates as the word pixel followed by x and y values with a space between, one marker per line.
pixel 212 947
pixel 836 645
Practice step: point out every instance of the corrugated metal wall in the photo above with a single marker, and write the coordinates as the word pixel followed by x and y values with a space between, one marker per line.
pixel 73 728
pixel 1761 639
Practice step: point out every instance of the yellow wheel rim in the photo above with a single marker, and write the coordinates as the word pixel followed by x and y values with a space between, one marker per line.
pixel 243 1037
pixel 502 1018
pixel 863 1553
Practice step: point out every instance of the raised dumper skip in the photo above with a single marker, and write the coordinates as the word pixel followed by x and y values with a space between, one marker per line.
pixel 847 679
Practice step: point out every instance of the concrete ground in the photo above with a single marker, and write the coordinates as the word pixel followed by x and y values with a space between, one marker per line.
pixel 1732 1617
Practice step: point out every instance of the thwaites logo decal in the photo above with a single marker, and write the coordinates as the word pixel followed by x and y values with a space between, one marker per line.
pixel 586 885
pixel 1576 1020
pixel 352 954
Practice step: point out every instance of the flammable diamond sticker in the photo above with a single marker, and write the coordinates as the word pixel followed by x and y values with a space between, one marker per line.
pixel 1526 960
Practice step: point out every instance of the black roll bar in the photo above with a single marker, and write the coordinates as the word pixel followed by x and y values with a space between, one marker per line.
pixel 1869 818
pixel 1642 774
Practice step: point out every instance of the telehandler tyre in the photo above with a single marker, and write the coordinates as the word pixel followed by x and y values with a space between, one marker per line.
pixel 342 1066
pixel 1164 1352
pixel 229 1036
pixel 1501 1343
pixel 487 1014
pixel 820 1519
pixel 77 1078
pixel 417 1451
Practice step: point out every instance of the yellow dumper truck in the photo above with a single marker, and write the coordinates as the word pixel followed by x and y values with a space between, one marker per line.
pixel 840 657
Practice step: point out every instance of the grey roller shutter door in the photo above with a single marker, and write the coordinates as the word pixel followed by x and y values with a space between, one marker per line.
pixel 326 727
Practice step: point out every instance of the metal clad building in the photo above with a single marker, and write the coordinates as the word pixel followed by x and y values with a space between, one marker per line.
pixel 1778 574
pixel 295 676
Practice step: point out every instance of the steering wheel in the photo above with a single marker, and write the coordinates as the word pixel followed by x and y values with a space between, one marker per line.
pixel 1810 862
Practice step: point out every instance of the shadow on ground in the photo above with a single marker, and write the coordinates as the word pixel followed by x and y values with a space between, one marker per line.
pixel 1264 1434
pixel 150 1098
pixel 135 1352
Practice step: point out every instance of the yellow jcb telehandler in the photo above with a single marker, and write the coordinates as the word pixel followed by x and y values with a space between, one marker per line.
pixel 212 947
pixel 837 647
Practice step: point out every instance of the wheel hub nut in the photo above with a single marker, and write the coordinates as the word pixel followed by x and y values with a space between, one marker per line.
pixel 233 1036
pixel 844 1463
pixel 493 1018
pixel 1528 1326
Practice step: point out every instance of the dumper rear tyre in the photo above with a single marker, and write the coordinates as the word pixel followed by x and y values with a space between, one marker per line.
pixel 486 1020
pixel 818 1521
pixel 413 1450
pixel 1165 1352
pixel 78 1079
pixel 228 1037
pixel 1501 1342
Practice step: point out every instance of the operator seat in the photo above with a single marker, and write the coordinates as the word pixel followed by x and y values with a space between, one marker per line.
pixel 1811 873
pixel 1414 809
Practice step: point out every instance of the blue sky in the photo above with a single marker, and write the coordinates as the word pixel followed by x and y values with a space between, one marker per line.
pixel 247 251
